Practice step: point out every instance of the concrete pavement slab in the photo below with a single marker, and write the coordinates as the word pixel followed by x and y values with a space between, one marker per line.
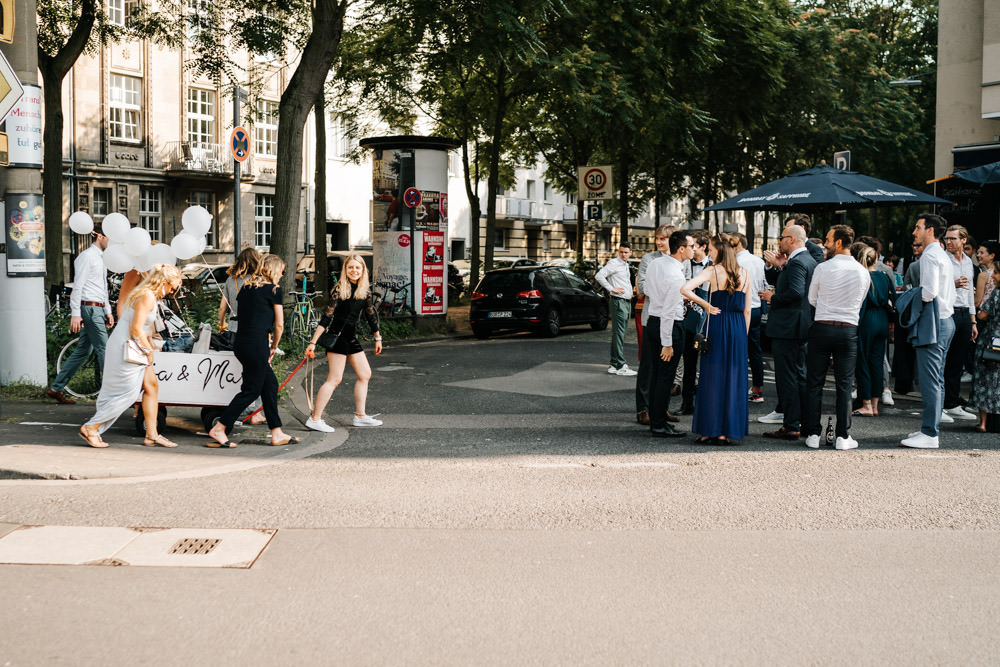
pixel 63 545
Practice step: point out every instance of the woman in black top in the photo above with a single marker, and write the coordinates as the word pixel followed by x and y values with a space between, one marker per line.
pixel 259 306
pixel 349 299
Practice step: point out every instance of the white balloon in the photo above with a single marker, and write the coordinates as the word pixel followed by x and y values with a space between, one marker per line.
pixel 161 253
pixel 115 226
pixel 142 263
pixel 196 220
pixel 117 259
pixel 184 245
pixel 81 223
pixel 202 244
pixel 137 241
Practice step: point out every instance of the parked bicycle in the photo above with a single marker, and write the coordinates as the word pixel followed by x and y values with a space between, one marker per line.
pixel 393 300
pixel 303 320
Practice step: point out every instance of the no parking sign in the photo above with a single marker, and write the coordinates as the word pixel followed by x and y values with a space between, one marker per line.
pixel 412 197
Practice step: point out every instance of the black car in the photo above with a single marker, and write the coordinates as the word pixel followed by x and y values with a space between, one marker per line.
pixel 542 298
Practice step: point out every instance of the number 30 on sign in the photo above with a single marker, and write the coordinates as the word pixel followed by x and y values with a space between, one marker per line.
pixel 595 182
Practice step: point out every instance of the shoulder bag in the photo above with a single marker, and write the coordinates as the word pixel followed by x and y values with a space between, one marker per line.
pixel 701 342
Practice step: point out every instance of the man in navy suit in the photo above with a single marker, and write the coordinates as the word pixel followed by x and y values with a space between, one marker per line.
pixel 788 322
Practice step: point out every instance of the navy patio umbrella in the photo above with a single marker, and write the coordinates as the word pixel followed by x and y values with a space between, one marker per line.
pixel 824 187
pixel 988 173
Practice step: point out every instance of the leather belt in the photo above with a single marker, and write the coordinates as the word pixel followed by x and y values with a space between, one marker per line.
pixel 96 304
pixel 835 324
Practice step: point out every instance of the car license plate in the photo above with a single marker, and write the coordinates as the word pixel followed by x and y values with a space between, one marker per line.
pixel 499 313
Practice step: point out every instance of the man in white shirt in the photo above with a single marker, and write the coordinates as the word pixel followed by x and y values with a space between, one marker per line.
pixel 664 340
pixel 965 323
pixel 662 241
pixel 616 278
pixel 90 313
pixel 937 285
pixel 837 290
pixel 755 268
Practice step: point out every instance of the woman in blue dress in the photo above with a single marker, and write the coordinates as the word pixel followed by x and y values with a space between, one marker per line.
pixel 720 410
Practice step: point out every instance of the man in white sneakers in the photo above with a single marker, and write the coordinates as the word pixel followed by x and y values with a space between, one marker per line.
pixel 616 278
pixel 937 285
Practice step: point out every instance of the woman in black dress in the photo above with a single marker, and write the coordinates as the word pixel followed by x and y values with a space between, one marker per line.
pixel 349 299
pixel 259 306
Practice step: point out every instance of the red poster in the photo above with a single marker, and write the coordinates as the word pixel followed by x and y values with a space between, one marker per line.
pixel 432 275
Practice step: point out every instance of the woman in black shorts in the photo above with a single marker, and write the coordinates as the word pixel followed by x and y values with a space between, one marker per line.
pixel 349 299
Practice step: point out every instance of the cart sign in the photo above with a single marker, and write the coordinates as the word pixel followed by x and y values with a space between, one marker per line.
pixel 239 142
pixel 211 379
pixel 595 182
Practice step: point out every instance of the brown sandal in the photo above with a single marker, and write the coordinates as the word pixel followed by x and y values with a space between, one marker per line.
pixel 92 439
pixel 159 440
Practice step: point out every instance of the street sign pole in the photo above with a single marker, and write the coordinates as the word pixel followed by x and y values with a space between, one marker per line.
pixel 238 95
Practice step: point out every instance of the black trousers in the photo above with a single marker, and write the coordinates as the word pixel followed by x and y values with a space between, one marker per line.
pixel 904 359
pixel 689 383
pixel 840 343
pixel 663 372
pixel 790 379
pixel 954 363
pixel 258 380
pixel 755 351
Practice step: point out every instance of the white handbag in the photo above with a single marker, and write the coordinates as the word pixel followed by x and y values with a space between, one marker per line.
pixel 135 353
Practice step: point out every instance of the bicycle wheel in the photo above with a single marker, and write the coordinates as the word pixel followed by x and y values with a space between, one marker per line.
pixel 297 332
pixel 86 382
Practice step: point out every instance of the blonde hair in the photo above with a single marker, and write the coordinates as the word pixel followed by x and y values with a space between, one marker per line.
pixel 864 254
pixel 343 286
pixel 246 263
pixel 160 275
pixel 268 272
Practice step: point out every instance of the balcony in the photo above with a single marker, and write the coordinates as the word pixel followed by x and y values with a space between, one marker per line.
pixel 512 208
pixel 194 160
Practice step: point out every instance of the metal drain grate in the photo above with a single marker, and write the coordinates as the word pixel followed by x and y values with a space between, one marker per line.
pixel 194 546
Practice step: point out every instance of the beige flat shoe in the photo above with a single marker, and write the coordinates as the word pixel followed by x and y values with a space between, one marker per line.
pixel 92 439
pixel 158 441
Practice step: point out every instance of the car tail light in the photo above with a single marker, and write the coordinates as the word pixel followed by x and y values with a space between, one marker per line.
pixel 530 294
pixel 478 295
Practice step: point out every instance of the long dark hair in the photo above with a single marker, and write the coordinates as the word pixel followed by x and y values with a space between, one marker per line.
pixel 726 246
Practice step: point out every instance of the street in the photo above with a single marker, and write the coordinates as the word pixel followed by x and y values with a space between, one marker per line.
pixel 512 511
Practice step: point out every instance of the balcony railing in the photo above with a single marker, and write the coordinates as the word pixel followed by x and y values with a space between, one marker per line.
pixel 201 158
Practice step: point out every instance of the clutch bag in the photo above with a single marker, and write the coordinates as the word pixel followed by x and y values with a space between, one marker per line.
pixel 135 353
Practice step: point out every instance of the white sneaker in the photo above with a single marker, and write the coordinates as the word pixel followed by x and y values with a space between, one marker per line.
pixel 946 418
pixel 612 370
pixel 921 441
pixel 366 421
pixel 318 425
pixel 812 442
pixel 846 443
pixel 958 413
pixel 626 371
pixel 854 393
pixel 914 434
pixel 966 377
pixel 887 397
pixel 772 418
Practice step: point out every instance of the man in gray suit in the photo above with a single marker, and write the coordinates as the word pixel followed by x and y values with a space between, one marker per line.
pixel 788 323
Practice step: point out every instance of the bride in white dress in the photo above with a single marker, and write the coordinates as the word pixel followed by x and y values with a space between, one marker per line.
pixel 124 382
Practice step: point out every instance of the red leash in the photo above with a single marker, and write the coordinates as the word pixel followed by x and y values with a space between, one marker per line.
pixel 246 420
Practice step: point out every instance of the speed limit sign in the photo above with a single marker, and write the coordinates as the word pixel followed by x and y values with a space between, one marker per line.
pixel 595 182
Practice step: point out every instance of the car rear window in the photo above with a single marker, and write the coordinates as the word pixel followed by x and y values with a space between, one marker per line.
pixel 516 280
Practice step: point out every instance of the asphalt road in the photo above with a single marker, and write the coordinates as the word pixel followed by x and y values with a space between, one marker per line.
pixel 511 511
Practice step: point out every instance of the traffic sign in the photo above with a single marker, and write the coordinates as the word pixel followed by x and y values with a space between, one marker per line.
pixel 595 182
pixel 842 160
pixel 11 89
pixel 595 211
pixel 412 197
pixel 239 143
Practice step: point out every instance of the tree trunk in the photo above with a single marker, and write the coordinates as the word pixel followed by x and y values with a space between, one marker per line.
pixel 322 281
pixel 623 169
pixel 475 212
pixel 493 178
pixel 54 69
pixel 298 99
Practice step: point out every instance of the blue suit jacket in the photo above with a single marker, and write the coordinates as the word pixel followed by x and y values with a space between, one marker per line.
pixel 918 317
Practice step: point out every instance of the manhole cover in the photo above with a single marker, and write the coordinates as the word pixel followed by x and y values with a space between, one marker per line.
pixel 194 546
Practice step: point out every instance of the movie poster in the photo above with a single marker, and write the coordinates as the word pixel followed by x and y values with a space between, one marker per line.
pixel 392 270
pixel 432 274
pixel 25 234
pixel 392 175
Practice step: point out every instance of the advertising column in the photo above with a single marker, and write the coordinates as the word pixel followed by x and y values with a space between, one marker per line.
pixel 410 223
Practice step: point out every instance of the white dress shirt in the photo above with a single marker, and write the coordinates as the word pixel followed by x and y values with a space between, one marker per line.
pixel 965 297
pixel 90 282
pixel 693 268
pixel 616 274
pixel 664 279
pixel 838 288
pixel 755 267
pixel 936 279
pixel 640 278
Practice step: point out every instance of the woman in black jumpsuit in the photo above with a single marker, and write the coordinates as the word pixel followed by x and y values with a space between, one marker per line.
pixel 260 312
pixel 350 298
